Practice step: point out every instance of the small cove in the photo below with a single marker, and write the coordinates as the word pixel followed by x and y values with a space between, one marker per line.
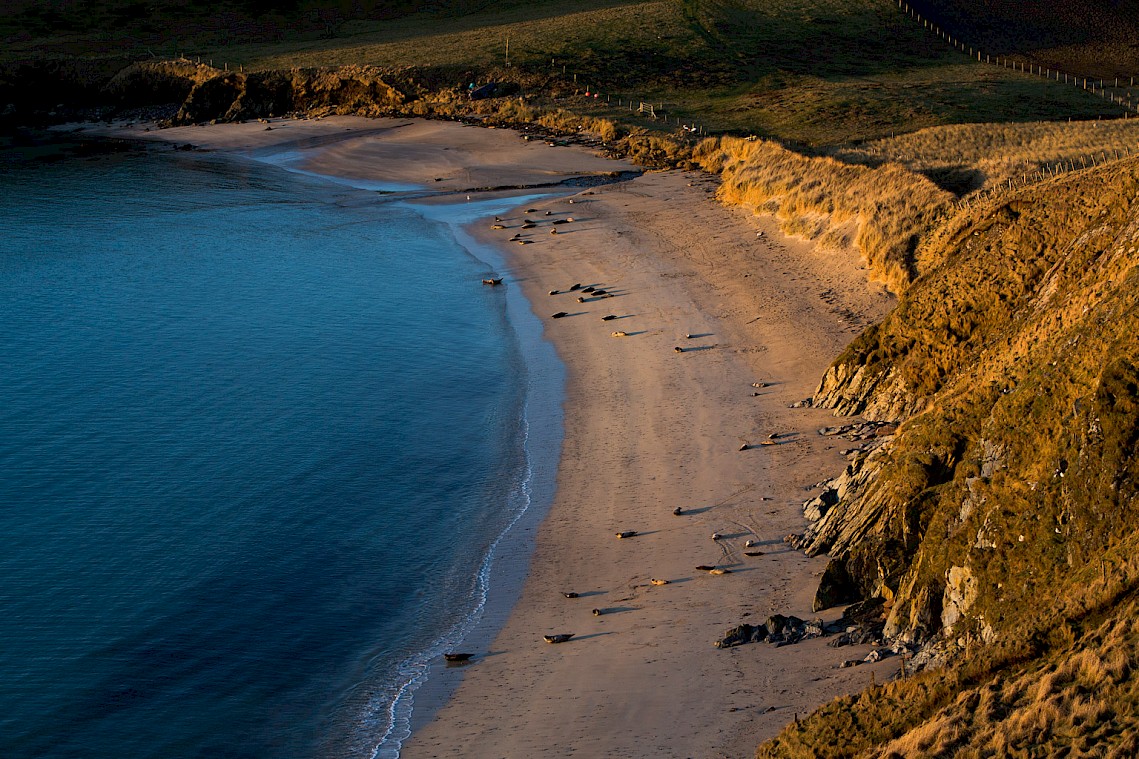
pixel 259 435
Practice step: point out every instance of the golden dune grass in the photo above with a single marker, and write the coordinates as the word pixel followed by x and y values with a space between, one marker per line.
pixel 881 211
pixel 988 155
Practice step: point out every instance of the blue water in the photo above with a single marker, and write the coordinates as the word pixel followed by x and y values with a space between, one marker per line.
pixel 258 433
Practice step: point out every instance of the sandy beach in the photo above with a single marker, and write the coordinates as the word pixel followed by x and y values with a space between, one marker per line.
pixel 648 429
pixel 708 300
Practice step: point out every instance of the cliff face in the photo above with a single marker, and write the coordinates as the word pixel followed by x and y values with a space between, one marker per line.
pixel 156 82
pixel 234 96
pixel 1014 369
pixel 200 93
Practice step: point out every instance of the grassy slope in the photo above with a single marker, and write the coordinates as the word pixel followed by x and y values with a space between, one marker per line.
pixel 808 71
pixel 1096 39
pixel 882 211
pixel 1072 695
pixel 811 72
pixel 1020 470
pixel 969 157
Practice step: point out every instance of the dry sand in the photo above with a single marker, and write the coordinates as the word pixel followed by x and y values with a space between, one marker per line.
pixel 647 429
pixel 440 156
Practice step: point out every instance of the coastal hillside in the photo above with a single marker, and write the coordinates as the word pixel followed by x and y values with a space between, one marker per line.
pixel 996 529
pixel 895 201
pixel 989 530
pixel 811 73
pixel 1094 39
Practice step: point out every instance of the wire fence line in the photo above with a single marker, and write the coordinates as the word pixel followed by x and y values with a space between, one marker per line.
pixel 1123 95
pixel 653 109
pixel 1119 91
pixel 1049 170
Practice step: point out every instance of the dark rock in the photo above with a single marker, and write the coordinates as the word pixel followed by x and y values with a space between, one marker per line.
pixel 836 587
pixel 868 612
pixel 795 540
pixel 776 623
pixel 739 635
pixel 736 636
pixel 859 635
pixel 778 630
pixel 816 508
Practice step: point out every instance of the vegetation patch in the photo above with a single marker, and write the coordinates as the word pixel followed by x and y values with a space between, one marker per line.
pixel 1008 497
pixel 816 197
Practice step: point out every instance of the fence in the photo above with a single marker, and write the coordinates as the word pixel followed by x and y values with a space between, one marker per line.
pixel 654 110
pixel 1123 96
pixel 1126 96
pixel 994 195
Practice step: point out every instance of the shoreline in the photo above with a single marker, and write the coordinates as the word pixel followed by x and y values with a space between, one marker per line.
pixel 647 428
pixel 644 433
pixel 507 562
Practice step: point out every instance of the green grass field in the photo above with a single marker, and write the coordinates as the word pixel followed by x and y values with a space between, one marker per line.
pixel 814 72
pixel 808 72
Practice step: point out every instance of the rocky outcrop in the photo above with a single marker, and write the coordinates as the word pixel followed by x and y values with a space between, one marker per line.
pixel 157 82
pixel 1014 372
pixel 778 630
pixel 960 593
pixel 236 96
pixel 836 587
pixel 873 392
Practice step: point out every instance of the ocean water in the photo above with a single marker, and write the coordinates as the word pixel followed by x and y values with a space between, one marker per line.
pixel 259 433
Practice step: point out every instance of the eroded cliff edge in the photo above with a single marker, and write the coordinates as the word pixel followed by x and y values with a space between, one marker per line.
pixel 997 525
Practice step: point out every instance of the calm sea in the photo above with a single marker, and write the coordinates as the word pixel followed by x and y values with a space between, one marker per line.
pixel 258 435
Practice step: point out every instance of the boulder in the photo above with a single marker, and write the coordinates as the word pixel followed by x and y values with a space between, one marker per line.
pixel 740 635
pixel 816 508
pixel 835 587
pixel 960 593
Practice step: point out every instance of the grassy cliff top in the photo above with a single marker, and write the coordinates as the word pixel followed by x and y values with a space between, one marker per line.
pixel 813 72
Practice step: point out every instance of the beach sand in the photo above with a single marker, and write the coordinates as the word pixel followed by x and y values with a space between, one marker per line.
pixel 440 156
pixel 647 429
